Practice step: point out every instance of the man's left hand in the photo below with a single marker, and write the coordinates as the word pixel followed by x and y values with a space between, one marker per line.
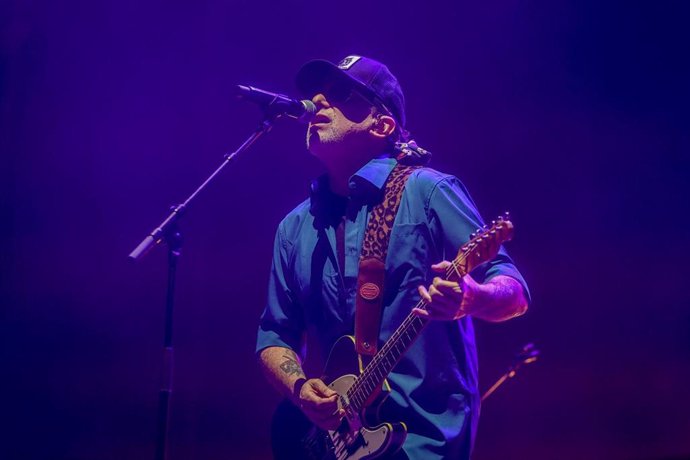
pixel 451 300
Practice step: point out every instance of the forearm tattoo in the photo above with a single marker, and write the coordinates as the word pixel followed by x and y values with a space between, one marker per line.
pixel 507 293
pixel 291 367
pixel 504 287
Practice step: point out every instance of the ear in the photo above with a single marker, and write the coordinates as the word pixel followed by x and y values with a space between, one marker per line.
pixel 383 126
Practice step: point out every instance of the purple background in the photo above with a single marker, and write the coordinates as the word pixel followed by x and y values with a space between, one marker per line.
pixel 572 115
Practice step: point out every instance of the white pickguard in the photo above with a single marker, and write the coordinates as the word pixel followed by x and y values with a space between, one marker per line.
pixel 374 441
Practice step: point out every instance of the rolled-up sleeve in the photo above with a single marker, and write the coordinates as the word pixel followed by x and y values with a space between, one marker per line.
pixel 282 321
pixel 453 217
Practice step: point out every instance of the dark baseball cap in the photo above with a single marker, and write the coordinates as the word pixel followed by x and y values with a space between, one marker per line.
pixel 368 76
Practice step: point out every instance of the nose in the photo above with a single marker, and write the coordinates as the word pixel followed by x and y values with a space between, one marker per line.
pixel 320 101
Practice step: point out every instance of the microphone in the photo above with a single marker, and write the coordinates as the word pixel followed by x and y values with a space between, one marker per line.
pixel 278 104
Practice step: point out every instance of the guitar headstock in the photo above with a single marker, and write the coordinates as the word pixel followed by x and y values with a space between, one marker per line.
pixel 484 243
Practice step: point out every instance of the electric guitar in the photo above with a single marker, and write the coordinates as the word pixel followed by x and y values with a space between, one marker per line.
pixel 362 388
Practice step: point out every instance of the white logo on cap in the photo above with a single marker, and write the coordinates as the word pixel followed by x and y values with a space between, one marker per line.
pixel 348 62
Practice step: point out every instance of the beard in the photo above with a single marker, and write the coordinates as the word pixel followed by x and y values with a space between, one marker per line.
pixel 326 141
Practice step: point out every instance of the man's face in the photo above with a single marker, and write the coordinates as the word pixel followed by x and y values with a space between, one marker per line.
pixel 342 121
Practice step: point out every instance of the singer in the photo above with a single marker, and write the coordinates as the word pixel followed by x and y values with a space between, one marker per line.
pixel 377 196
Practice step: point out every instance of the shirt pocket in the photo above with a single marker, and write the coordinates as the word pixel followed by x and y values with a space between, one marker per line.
pixel 319 284
pixel 408 259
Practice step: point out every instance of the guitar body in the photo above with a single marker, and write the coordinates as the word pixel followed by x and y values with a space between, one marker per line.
pixel 358 436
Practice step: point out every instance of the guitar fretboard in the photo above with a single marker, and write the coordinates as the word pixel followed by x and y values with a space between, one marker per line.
pixel 383 362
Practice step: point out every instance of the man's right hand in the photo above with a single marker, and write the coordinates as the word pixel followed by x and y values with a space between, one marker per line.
pixel 320 404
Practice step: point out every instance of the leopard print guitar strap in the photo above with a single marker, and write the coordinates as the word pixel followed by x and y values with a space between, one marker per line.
pixel 371 277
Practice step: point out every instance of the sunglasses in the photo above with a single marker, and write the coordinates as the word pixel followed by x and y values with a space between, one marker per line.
pixel 341 92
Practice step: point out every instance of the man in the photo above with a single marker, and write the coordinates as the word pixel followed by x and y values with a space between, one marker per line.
pixel 312 285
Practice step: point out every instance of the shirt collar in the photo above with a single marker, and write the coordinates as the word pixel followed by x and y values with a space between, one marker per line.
pixel 371 178
pixel 366 185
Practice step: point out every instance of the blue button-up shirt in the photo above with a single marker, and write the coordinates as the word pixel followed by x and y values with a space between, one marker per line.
pixel 434 387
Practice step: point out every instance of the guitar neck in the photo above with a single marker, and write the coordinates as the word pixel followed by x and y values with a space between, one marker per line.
pixel 373 375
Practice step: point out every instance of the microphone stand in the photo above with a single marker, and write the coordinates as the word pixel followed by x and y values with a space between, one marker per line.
pixel 169 233
pixel 527 355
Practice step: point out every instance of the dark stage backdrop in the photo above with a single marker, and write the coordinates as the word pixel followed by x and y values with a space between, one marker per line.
pixel 572 115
